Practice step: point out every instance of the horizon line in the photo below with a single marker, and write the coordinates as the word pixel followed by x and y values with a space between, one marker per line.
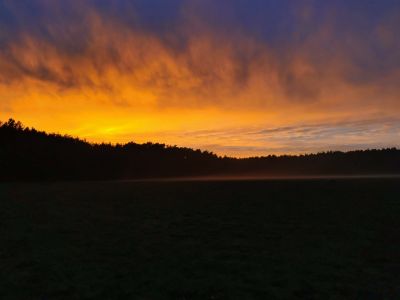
pixel 20 126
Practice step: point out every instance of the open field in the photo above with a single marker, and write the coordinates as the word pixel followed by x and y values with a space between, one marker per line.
pixel 271 239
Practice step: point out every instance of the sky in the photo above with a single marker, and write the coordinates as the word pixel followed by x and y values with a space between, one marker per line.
pixel 236 77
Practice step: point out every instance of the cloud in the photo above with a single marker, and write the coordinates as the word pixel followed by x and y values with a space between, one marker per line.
pixel 300 138
pixel 288 62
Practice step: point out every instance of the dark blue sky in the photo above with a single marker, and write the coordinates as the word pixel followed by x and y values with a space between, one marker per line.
pixel 281 24
pixel 268 19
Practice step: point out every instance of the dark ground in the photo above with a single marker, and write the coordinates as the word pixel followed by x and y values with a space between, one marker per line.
pixel 293 239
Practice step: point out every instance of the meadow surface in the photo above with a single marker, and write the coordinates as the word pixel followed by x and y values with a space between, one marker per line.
pixel 260 239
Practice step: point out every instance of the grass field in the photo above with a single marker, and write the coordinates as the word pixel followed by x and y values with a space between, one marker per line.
pixel 272 239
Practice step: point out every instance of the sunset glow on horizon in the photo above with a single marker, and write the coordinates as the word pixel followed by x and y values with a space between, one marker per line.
pixel 238 78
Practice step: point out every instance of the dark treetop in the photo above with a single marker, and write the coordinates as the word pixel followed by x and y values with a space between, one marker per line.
pixel 28 154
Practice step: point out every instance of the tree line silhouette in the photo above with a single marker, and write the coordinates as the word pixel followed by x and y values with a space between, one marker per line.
pixel 29 154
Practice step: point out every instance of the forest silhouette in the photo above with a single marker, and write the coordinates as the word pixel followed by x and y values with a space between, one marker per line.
pixel 29 154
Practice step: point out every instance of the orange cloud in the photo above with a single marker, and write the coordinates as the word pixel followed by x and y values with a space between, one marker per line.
pixel 117 82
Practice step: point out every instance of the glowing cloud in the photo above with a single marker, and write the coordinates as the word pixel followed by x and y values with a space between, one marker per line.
pixel 157 70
